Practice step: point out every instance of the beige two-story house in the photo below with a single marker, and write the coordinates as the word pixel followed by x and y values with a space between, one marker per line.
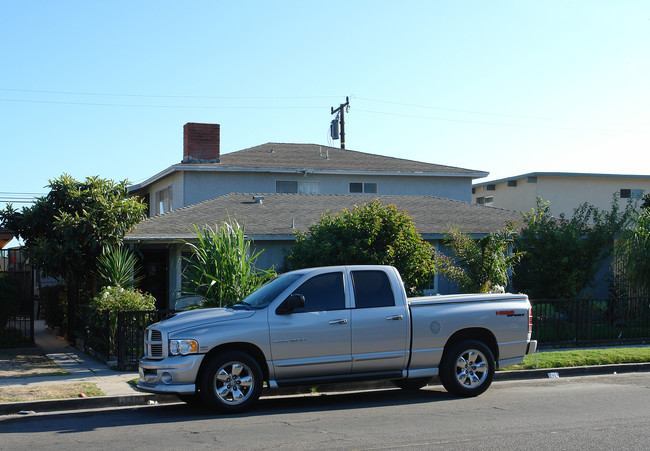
pixel 565 191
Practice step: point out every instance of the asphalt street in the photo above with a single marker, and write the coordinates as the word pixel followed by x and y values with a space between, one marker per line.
pixel 585 412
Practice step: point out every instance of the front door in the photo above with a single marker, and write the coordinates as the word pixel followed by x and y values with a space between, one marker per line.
pixel 155 275
pixel 315 340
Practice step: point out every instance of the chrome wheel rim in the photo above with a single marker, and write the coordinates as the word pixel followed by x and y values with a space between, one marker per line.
pixel 233 383
pixel 471 368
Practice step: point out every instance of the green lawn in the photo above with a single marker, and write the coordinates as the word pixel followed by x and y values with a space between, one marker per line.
pixel 582 357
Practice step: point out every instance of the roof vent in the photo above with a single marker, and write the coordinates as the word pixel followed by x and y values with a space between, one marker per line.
pixel 258 199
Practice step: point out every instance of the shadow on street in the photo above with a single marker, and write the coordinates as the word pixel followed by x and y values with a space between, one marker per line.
pixel 81 421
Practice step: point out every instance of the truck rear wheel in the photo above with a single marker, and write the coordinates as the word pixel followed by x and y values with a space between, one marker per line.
pixel 467 369
pixel 232 382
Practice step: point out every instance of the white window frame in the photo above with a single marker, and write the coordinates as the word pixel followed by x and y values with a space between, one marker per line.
pixel 164 200
pixel 364 186
pixel 301 187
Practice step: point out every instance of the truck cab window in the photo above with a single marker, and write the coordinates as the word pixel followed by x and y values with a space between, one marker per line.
pixel 322 292
pixel 372 289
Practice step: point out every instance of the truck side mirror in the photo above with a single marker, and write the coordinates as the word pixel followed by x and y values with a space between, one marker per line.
pixel 293 302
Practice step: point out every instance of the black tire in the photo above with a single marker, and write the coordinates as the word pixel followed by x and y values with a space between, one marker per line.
pixel 467 369
pixel 412 384
pixel 231 382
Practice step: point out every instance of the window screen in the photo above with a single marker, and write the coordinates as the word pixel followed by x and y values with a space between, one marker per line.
pixel 356 187
pixel 286 187
pixel 372 289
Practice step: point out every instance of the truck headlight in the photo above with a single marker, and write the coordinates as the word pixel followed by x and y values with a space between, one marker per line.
pixel 183 347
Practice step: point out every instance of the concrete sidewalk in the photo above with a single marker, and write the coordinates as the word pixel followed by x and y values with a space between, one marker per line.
pixel 82 368
pixel 118 392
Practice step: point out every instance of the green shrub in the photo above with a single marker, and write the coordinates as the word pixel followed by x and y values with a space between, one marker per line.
pixel 221 269
pixel 54 305
pixel 118 299
pixel 117 266
pixel 103 314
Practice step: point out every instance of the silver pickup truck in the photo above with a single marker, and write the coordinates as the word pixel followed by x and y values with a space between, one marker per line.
pixel 335 324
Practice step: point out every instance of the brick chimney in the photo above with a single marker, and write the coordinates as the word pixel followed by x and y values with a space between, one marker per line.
pixel 200 143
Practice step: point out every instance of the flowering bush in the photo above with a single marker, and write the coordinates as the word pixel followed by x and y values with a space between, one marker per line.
pixel 104 314
pixel 116 299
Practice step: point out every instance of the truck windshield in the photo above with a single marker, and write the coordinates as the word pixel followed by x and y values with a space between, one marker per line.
pixel 262 297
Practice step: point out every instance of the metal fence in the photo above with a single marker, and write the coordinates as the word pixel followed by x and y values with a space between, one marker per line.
pixel 118 337
pixel 556 322
pixel 15 270
pixel 584 322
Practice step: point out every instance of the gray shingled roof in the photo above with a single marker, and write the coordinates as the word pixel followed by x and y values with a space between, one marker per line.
pixel 313 157
pixel 274 216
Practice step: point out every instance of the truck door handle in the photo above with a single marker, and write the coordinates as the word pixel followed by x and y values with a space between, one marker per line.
pixel 338 321
pixel 394 318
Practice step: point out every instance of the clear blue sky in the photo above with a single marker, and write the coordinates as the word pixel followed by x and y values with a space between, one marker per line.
pixel 507 87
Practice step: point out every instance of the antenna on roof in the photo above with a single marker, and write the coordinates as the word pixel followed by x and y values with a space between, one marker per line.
pixel 339 119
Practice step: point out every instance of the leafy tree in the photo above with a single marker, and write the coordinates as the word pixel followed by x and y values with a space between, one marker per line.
pixel 562 256
pixel 65 231
pixel 633 252
pixel 479 265
pixel 369 234
pixel 645 203
pixel 221 269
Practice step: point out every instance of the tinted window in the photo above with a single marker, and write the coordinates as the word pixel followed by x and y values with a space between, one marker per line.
pixel 323 292
pixel 267 293
pixel 372 289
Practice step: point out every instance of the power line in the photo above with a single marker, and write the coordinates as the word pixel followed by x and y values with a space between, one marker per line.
pixel 162 96
pixel 54 102
pixel 484 113
pixel 502 124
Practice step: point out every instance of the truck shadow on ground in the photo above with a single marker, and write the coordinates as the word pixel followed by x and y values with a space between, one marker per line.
pixel 83 421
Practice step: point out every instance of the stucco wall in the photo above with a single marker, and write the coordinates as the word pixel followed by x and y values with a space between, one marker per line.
pixel 565 193
pixel 200 186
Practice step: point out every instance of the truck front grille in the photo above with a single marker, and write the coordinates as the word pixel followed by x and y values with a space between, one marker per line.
pixel 153 344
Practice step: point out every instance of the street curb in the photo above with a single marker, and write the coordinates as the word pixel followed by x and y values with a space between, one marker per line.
pixel 52 405
pixel 571 371
pixel 144 399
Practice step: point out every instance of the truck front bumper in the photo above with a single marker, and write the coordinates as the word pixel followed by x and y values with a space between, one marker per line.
pixel 173 375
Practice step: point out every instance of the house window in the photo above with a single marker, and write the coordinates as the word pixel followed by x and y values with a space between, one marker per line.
pixel 163 200
pixel 295 187
pixel 631 193
pixel 367 188
pixel 512 183
pixel 473 190
pixel 531 180
pixel 490 187
pixel 489 200
pixel 480 200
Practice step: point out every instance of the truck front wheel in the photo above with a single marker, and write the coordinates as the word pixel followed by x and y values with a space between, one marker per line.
pixel 232 382
pixel 467 369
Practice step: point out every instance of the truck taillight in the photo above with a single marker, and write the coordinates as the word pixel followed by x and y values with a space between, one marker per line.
pixel 530 320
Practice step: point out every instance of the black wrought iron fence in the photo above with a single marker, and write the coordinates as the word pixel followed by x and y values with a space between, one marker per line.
pixel 130 334
pixel 118 336
pixel 556 322
pixel 18 315
pixel 583 322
